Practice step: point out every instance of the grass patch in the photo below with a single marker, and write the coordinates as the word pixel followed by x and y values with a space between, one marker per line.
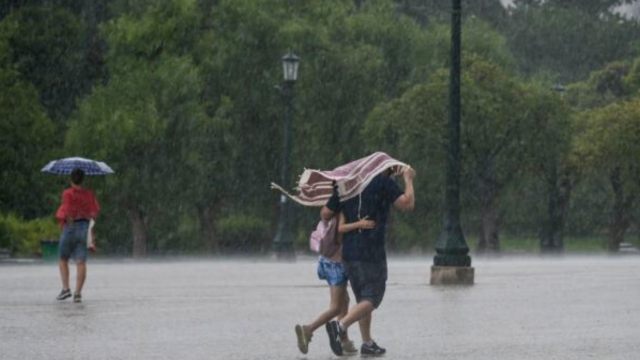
pixel 586 244
pixel 531 245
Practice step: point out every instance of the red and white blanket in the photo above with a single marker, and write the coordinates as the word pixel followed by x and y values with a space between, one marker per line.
pixel 315 186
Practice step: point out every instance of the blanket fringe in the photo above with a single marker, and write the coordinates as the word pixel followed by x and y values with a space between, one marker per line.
pixel 297 199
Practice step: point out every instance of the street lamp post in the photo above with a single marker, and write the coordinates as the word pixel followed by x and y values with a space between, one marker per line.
pixel 552 241
pixel 282 243
pixel 452 264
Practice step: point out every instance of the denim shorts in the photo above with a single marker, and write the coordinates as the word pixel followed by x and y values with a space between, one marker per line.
pixel 368 280
pixel 332 272
pixel 73 241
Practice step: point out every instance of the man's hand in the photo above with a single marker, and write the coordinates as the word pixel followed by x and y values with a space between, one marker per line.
pixel 409 174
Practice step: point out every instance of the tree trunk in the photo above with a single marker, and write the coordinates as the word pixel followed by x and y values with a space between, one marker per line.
pixel 139 230
pixel 638 232
pixel 489 241
pixel 490 237
pixel 564 197
pixel 548 233
pixel 208 228
pixel 559 193
pixel 620 213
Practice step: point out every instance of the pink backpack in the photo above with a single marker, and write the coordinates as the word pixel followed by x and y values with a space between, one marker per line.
pixel 324 239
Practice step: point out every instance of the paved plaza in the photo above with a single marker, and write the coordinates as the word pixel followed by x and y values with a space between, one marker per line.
pixel 519 308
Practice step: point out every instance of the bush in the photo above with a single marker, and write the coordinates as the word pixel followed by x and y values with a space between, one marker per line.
pixel 407 238
pixel 5 239
pixel 243 234
pixel 23 237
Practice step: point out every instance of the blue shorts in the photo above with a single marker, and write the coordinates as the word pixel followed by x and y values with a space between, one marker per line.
pixel 73 241
pixel 332 272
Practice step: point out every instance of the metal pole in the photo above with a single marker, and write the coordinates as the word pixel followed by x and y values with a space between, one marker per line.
pixel 282 243
pixel 451 247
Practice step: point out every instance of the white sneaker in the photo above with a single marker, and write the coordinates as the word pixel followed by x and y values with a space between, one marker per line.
pixel 303 340
pixel 348 348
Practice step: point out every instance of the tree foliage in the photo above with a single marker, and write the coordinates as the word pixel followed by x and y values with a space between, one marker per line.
pixel 184 100
pixel 47 52
pixel 570 39
pixel 498 128
pixel 608 144
pixel 27 136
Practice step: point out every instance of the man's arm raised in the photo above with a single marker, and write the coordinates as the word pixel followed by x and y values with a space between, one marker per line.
pixel 406 201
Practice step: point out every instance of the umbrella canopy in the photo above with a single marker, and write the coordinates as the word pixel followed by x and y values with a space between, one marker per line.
pixel 67 165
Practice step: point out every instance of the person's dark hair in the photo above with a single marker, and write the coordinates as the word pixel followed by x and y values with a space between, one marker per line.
pixel 77 175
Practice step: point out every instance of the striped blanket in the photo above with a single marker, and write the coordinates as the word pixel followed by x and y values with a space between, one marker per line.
pixel 315 186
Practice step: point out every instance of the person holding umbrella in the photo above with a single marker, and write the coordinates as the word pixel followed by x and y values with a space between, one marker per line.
pixel 76 215
pixel 79 207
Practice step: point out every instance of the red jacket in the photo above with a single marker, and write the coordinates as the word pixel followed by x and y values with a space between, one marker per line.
pixel 77 203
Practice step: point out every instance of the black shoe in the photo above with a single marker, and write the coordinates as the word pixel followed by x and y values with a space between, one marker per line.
pixel 335 337
pixel 64 294
pixel 77 298
pixel 372 350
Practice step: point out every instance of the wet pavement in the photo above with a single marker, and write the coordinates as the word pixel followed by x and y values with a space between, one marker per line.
pixel 520 308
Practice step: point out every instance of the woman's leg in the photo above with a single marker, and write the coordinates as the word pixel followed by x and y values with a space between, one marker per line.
pixel 335 307
pixel 344 308
pixel 344 304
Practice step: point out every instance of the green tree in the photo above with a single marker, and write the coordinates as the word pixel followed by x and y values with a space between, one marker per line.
pixel 143 120
pixel 27 136
pixel 569 39
pixel 631 81
pixel 496 136
pixel 598 7
pixel 428 11
pixel 614 83
pixel 350 60
pixel 549 162
pixel 608 142
pixel 603 87
pixel 46 51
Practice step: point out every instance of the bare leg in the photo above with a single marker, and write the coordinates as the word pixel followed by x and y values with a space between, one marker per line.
pixel 365 328
pixel 359 311
pixel 80 276
pixel 64 273
pixel 344 305
pixel 344 310
pixel 337 295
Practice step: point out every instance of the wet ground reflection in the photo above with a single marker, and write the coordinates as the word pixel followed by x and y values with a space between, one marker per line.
pixel 522 308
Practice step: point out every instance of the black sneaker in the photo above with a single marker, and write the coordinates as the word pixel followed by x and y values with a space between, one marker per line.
pixel 372 350
pixel 64 294
pixel 77 298
pixel 335 337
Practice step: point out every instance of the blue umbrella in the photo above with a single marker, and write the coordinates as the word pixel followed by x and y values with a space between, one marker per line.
pixel 67 165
